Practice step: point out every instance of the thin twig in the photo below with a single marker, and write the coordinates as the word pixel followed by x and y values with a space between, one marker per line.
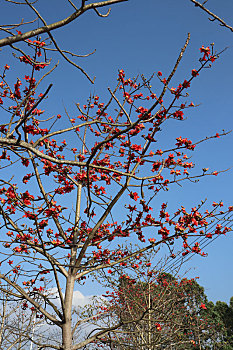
pixel 215 17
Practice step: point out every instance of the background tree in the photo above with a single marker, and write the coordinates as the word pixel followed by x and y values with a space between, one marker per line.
pixel 159 311
pixel 226 314
pixel 17 325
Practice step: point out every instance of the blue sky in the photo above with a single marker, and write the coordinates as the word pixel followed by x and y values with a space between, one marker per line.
pixel 143 37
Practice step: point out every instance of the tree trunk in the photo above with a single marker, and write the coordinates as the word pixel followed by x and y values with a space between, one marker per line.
pixel 67 326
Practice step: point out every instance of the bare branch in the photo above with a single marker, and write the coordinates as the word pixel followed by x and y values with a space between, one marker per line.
pixel 59 24
pixel 213 15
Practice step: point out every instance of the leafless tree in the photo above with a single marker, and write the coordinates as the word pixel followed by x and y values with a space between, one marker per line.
pixel 17 325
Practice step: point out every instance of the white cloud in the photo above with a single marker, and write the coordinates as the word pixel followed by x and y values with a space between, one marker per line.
pixel 79 299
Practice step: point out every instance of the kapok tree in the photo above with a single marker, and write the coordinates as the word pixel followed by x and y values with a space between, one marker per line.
pixel 70 192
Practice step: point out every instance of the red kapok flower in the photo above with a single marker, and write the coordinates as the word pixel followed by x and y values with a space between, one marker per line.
pixel 134 195
pixel 195 73
pixel 158 326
